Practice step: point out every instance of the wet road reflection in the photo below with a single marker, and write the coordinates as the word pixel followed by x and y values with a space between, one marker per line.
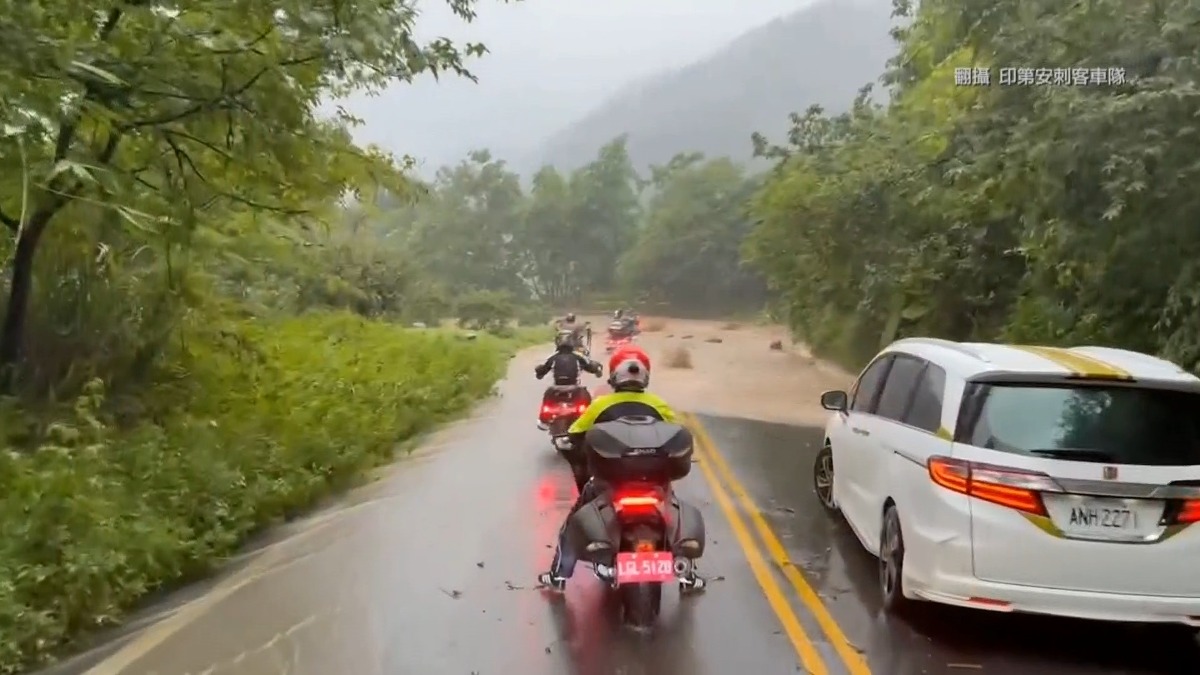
pixel 774 462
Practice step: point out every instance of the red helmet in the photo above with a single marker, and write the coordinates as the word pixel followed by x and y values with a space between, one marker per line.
pixel 626 352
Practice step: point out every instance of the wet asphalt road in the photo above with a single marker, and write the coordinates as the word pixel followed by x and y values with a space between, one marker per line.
pixel 431 570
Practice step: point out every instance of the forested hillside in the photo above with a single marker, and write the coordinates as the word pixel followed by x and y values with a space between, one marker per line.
pixel 818 55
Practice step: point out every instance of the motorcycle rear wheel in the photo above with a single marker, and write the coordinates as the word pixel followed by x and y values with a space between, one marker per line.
pixel 640 604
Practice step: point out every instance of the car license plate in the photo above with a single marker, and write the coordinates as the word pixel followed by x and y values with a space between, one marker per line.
pixel 645 567
pixel 1101 518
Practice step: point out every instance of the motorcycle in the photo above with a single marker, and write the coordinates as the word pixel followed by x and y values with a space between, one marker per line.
pixel 619 335
pixel 581 338
pixel 639 535
pixel 560 409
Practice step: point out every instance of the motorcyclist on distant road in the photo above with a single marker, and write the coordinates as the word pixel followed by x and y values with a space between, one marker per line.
pixel 577 330
pixel 623 325
pixel 629 375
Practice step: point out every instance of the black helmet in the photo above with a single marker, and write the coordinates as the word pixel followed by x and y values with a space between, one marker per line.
pixel 564 347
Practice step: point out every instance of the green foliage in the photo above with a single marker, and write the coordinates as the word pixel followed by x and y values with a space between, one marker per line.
pixel 688 249
pixel 1055 214
pixel 179 212
pixel 485 310
pixel 586 233
pixel 477 228
pixel 265 417
pixel 529 316
pixel 163 124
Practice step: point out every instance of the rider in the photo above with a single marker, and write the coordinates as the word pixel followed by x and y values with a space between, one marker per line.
pixel 565 363
pixel 629 375
pixel 577 330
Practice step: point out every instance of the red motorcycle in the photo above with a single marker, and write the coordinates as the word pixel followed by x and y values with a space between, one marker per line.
pixel 617 338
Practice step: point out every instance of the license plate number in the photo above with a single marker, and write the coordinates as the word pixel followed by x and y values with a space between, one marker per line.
pixel 645 567
pixel 1087 516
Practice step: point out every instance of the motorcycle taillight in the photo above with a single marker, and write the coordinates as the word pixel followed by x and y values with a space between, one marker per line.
pixel 632 499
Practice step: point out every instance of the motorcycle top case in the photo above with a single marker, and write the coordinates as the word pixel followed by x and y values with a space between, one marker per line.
pixel 639 449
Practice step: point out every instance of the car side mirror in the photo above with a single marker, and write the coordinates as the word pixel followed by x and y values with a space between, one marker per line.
pixel 835 400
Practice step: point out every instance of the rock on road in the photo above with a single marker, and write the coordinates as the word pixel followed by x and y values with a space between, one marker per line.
pixel 431 569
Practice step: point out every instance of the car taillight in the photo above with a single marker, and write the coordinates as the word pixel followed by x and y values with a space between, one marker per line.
pixel 1189 512
pixel 581 408
pixel 1015 488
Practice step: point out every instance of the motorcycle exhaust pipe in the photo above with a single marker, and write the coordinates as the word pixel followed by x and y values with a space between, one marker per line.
pixel 682 567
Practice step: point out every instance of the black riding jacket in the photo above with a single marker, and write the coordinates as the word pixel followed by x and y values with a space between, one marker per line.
pixel 566 367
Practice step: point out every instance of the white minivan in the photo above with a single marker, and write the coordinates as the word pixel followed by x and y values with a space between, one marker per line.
pixel 1020 478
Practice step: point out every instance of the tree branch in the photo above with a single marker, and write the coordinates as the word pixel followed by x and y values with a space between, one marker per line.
pixel 197 108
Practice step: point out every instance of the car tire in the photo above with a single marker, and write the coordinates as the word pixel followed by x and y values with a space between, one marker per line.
pixel 891 563
pixel 823 479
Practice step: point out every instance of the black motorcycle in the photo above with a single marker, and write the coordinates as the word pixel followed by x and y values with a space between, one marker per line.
pixel 560 408
pixel 639 529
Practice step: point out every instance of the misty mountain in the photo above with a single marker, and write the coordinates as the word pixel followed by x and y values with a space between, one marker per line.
pixel 823 54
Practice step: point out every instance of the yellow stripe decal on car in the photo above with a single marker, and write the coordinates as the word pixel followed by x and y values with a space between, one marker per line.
pixel 1080 365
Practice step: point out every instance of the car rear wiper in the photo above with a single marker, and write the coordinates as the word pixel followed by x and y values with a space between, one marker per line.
pixel 1082 454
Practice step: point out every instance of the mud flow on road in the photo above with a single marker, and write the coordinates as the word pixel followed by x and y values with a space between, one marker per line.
pixel 431 569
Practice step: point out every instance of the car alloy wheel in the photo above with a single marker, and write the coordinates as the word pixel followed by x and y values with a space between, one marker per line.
pixel 823 478
pixel 891 562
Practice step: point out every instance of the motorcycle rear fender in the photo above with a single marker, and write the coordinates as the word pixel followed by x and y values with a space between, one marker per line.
pixel 689 524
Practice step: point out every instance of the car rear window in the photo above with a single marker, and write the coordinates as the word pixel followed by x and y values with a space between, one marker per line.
pixel 1117 425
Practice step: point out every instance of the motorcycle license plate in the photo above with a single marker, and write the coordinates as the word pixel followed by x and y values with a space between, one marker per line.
pixel 645 567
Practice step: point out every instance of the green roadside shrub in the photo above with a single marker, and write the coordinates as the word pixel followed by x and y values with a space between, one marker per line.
pixel 485 310
pixel 534 315
pixel 264 418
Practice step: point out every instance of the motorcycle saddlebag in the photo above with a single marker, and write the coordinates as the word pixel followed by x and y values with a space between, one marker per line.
pixel 594 521
pixel 689 524
pixel 633 449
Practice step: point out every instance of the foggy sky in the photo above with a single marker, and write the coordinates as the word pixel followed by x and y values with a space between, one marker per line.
pixel 551 61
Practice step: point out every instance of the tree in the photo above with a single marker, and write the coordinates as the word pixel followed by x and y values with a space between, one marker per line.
pixel 551 239
pixel 467 232
pixel 605 206
pixel 688 250
pixel 166 114
pixel 1048 213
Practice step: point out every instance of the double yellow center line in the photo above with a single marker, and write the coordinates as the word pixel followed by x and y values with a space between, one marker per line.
pixel 719 475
